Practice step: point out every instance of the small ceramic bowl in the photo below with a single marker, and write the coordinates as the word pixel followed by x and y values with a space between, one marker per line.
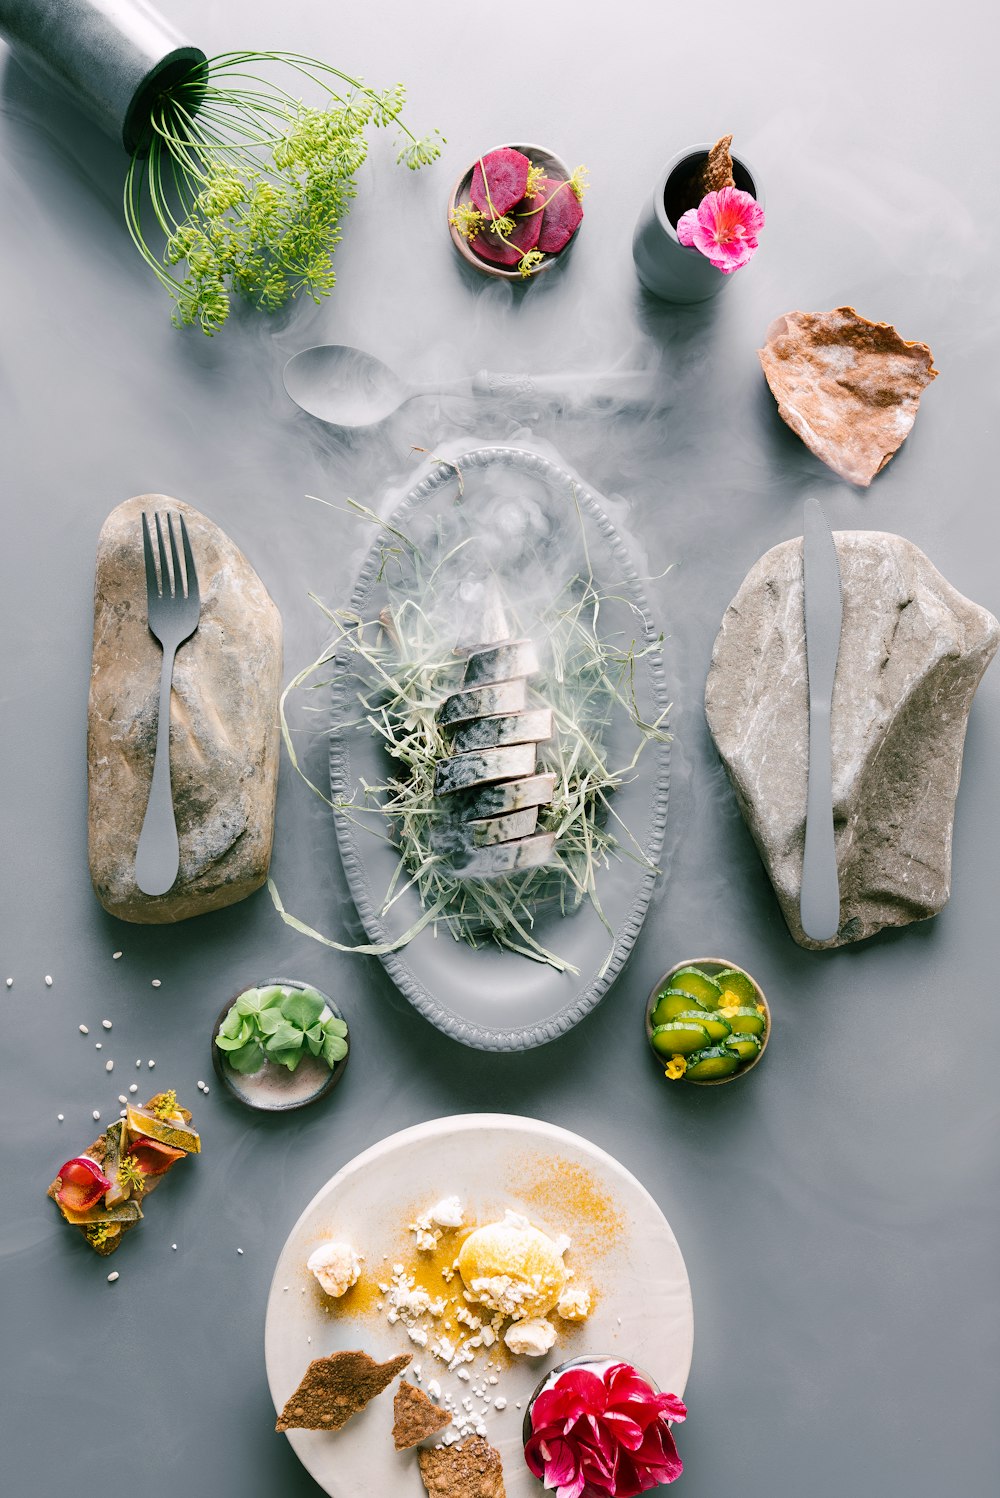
pixel 711 966
pixel 274 1089
pixel 554 167
pixel 598 1361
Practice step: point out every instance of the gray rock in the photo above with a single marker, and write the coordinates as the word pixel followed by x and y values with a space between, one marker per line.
pixel 224 735
pixel 912 653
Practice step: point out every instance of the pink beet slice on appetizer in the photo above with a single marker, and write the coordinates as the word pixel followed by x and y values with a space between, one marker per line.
pixel 561 216
pixel 506 179
pixel 509 251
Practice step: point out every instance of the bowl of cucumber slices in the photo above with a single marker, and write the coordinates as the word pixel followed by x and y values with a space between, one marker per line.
pixel 707 1021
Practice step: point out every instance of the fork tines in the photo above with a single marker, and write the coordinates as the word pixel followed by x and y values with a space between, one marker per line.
pixel 172 581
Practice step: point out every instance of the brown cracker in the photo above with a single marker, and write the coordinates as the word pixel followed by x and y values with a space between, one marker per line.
pixel 470 1470
pixel 415 1417
pixel 335 1388
pixel 718 169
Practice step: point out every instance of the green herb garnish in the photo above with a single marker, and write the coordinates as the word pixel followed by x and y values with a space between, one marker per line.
pixel 282 1025
pixel 248 184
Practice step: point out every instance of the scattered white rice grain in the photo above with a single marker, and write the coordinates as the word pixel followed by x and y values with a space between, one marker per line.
pixel 134 1087
pixel 48 980
pixel 115 956
pixel 174 1247
pixel 205 1089
pixel 123 1113
pixel 106 1023
pixel 109 1066
pixel 239 1250
pixel 98 1046
pixel 156 982
pixel 60 1117
pixel 112 1276
pixel 84 1030
pixel 10 983
pixel 150 1064
pixel 138 1063
pixel 122 1098
pixel 95 1116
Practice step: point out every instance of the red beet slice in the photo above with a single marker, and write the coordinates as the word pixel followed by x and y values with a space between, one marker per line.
pixel 524 237
pixel 82 1184
pixel 562 216
pixel 506 178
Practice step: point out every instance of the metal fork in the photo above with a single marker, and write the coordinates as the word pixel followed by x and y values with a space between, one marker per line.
pixel 173 605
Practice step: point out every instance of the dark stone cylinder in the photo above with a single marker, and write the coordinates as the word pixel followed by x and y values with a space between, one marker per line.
pixel 115 58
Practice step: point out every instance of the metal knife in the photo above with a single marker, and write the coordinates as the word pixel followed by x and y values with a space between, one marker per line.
pixel 819 904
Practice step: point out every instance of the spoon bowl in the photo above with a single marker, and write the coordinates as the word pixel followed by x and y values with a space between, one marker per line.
pixel 344 386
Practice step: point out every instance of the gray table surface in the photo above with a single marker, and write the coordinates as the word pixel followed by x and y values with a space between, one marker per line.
pixel 838 1210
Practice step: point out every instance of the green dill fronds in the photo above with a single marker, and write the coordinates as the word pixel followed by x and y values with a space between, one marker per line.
pixel 535 175
pixel 130 1177
pixel 527 262
pixel 579 182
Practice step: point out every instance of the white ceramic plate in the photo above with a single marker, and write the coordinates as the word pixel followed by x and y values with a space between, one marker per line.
pixel 622 1246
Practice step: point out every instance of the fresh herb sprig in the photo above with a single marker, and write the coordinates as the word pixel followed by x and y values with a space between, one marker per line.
pixel 248 184
pixel 282 1025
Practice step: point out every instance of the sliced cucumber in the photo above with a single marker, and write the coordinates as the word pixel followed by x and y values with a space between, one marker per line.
pixel 699 985
pixel 677 1039
pixel 745 1046
pixel 737 983
pixel 718 1029
pixel 745 1021
pixel 716 1061
pixel 671 1003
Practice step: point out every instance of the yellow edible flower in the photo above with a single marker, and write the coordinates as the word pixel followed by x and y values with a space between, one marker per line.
pixel 165 1105
pixel 130 1177
pixel 675 1068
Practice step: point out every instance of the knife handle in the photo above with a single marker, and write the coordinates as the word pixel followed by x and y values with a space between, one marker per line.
pixel 819 904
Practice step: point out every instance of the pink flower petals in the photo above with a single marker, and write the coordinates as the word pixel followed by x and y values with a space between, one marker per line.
pixel 724 227
pixel 603 1436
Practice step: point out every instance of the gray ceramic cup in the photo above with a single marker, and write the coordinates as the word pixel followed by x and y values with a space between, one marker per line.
pixel 667 268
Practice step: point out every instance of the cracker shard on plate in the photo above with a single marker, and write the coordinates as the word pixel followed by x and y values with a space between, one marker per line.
pixel 415 1416
pixel 470 1470
pixel 718 169
pixel 848 387
pixel 335 1388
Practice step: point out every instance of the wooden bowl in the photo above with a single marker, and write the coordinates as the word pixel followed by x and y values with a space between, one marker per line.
pixel 711 966
pixel 554 166
pixel 274 1089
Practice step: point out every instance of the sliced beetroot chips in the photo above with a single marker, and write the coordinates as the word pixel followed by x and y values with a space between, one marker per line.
pixel 561 217
pixel 506 179
pixel 509 251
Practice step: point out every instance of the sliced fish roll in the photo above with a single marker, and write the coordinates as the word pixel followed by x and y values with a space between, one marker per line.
pixel 510 728
pixel 514 825
pixel 465 771
pixel 484 702
pixel 507 858
pixel 499 800
pixel 502 662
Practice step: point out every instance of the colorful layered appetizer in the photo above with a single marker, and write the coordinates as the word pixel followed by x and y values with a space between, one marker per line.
pixel 599 1427
pixel 708 1021
pixel 101 1191
pixel 517 210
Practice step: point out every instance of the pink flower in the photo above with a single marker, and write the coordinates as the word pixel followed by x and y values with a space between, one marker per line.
pixel 724 227
pixel 603 1435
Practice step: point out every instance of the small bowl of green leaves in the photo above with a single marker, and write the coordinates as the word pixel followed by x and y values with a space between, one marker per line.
pixel 707 1021
pixel 280 1045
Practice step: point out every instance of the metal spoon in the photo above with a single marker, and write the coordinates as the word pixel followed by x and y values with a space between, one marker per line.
pixel 347 387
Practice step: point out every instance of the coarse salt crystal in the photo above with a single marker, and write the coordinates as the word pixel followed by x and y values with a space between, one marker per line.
pixel 173 1245
pixel 500 1404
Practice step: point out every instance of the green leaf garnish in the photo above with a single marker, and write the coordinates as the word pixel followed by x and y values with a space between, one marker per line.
pixel 249 1058
pixel 280 1024
pixel 302 1008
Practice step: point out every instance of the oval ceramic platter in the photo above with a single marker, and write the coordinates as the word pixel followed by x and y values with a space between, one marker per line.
pixel 512 514
pixel 621 1247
